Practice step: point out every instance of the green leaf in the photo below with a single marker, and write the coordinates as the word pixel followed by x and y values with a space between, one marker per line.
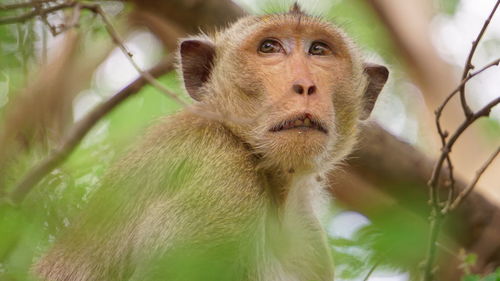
pixel 471 259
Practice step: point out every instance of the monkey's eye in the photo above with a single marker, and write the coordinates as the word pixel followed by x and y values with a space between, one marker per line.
pixel 270 46
pixel 320 49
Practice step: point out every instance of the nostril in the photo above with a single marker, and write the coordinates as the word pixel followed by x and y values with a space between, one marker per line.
pixel 311 90
pixel 298 89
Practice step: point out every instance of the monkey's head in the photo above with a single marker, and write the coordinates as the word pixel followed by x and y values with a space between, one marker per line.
pixel 290 85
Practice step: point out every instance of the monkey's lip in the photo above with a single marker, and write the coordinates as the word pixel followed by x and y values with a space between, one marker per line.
pixel 303 121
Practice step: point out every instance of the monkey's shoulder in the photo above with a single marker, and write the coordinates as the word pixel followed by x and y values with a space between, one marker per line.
pixel 185 150
pixel 192 136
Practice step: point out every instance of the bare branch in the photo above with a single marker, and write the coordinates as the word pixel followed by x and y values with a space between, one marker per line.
pixel 468 64
pixel 119 42
pixel 32 4
pixel 59 155
pixel 471 186
pixel 438 214
pixel 96 8
pixel 444 134
pixel 75 136
pixel 205 112
pixel 37 12
pixel 372 269
pixel 464 81
pixel 485 111
pixel 14 6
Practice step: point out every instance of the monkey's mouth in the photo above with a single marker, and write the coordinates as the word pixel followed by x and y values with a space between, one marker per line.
pixel 304 122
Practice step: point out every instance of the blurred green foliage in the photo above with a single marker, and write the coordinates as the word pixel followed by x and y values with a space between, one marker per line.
pixel 495 276
pixel 448 6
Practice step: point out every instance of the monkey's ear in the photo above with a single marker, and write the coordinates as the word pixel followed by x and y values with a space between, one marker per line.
pixel 196 57
pixel 377 76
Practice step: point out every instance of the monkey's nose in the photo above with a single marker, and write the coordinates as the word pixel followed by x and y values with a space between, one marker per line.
pixel 301 88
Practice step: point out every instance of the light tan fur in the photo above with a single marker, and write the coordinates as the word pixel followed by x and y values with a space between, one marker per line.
pixel 234 195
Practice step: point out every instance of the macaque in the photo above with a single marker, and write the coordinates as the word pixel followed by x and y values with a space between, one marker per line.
pixel 233 197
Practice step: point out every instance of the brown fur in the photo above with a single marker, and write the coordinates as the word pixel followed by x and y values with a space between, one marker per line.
pixel 230 194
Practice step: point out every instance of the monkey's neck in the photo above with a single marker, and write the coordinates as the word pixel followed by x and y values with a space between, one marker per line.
pixel 294 216
pixel 293 191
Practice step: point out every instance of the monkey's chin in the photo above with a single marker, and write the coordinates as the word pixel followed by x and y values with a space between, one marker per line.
pixel 299 149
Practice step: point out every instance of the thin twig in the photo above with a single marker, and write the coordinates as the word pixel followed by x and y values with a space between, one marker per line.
pixel 73 22
pixel 96 8
pixel 438 213
pixel 372 269
pixel 52 28
pixel 119 42
pixel 462 83
pixel 446 249
pixel 444 134
pixel 58 155
pixel 31 4
pixel 468 64
pixel 485 111
pixel 471 186
pixel 14 6
pixel 29 15
pixel 205 112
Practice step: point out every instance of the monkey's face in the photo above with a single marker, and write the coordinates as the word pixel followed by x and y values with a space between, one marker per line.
pixel 300 70
pixel 289 84
pixel 295 80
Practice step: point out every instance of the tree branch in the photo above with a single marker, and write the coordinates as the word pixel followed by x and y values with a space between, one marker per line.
pixel 438 213
pixel 119 42
pixel 464 81
pixel 57 156
pixel 468 64
pixel 37 12
pixel 471 186
pixel 97 9
pixel 15 6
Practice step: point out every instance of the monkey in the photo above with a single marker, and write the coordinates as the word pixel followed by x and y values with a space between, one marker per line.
pixel 235 197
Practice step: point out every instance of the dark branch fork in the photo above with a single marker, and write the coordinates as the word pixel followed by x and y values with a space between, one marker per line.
pixel 444 134
pixel 438 211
